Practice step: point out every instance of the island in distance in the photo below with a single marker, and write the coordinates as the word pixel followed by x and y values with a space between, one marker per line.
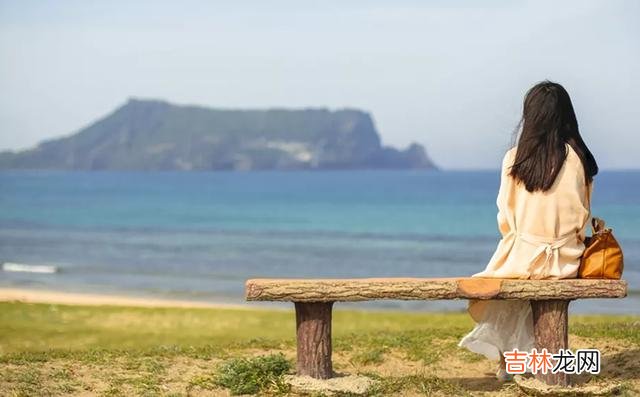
pixel 157 135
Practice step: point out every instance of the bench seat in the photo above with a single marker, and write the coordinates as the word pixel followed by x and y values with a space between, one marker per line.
pixel 366 289
pixel 313 300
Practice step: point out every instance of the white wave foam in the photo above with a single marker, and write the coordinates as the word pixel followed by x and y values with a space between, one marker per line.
pixel 19 267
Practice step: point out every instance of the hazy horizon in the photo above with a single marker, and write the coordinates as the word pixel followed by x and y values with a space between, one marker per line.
pixel 450 77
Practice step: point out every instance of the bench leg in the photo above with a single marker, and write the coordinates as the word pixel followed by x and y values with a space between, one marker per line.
pixel 550 328
pixel 313 331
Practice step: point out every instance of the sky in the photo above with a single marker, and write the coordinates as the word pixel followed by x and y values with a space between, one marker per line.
pixel 450 75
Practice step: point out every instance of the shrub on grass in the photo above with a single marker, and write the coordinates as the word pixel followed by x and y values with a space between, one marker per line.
pixel 254 374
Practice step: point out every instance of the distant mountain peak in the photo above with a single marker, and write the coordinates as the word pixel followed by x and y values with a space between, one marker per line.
pixel 151 134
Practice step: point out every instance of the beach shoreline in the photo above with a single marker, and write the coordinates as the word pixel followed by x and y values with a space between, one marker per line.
pixel 25 295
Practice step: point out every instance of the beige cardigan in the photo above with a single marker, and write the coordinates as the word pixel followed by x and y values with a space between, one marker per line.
pixel 542 233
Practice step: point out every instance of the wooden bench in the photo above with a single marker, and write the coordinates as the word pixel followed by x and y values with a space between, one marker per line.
pixel 314 298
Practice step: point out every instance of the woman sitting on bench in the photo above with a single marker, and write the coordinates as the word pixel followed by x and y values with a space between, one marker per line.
pixel 543 212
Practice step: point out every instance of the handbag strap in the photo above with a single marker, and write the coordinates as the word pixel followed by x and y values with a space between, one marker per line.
pixel 597 225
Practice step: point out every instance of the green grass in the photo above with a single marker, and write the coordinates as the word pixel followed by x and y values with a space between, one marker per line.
pixel 118 351
pixel 254 374
pixel 424 384
pixel 40 327
pixel 623 328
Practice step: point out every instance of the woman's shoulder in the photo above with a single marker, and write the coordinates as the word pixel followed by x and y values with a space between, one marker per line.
pixel 509 157
pixel 571 153
pixel 572 157
pixel 510 154
pixel 574 162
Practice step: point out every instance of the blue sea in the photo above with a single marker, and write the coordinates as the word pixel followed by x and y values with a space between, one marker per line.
pixel 200 235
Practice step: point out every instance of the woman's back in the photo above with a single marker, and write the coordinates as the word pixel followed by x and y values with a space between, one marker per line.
pixel 564 207
pixel 542 232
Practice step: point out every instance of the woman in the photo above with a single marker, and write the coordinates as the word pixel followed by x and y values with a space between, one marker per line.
pixel 543 213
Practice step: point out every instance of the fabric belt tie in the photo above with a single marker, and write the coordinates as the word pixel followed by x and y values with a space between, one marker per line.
pixel 547 246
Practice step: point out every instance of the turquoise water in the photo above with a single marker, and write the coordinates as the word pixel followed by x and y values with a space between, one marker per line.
pixel 200 235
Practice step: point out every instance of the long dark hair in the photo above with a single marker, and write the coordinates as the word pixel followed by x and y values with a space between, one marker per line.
pixel 548 122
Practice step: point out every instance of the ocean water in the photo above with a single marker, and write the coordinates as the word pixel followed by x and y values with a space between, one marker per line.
pixel 201 235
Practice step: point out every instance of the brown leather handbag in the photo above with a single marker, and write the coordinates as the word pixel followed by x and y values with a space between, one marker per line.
pixel 602 257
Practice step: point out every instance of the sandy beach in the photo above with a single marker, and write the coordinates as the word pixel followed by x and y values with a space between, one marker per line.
pixel 86 299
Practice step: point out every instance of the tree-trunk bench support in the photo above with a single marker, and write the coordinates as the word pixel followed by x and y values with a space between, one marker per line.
pixel 314 298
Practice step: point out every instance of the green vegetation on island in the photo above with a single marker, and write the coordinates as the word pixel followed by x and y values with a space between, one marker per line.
pixel 157 135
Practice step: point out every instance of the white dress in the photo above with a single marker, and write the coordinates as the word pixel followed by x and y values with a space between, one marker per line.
pixel 542 237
